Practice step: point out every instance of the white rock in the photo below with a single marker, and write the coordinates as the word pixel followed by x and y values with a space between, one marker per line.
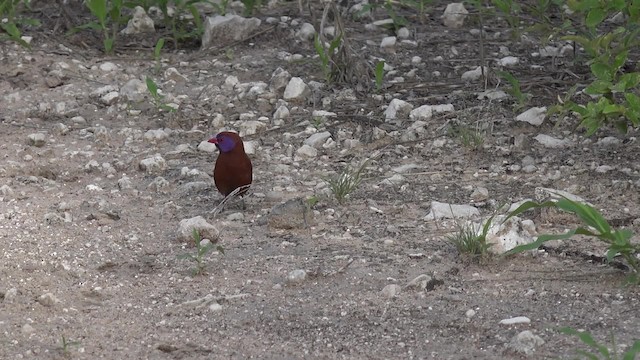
pixel 397 109
pixel 279 79
pixel 281 112
pixel 316 140
pixel 227 29
pixel 551 142
pixel 206 146
pixel 48 300
pixel 153 165
pixel 544 194
pixel 609 141
pixel 492 94
pixel 391 291
pixel 473 75
pixel 134 90
pixel 37 139
pixel 155 135
pixel 451 211
pixel 480 194
pixel 306 33
pixel 296 276
pixel 534 116
pixel 402 169
pixel 306 151
pixel 423 112
pixel 395 179
pixel 454 15
pixel 388 42
pixel 526 342
pixel 515 320
pixel 296 89
pixel 140 22
pixel 251 127
pixel 507 235
pixel 508 61
pixel 403 33
pixel 250 147
pixel 108 66
pixel 110 98
pixel 206 230
pixel 604 169
pixel 173 74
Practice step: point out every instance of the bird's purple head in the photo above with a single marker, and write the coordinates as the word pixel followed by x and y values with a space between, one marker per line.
pixel 226 141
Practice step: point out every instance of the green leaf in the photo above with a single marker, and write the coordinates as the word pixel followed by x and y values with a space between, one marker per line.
pixel 613 109
pixel 539 241
pixel 633 101
pixel 620 59
pixel 632 352
pixel 586 338
pixel 11 29
pixel 626 82
pixel 108 45
pixel 586 213
pixel 98 8
pixel 595 17
pixel 153 89
pixel 158 49
pixel 602 71
pixel 598 87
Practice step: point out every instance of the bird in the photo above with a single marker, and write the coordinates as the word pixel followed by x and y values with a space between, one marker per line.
pixel 233 167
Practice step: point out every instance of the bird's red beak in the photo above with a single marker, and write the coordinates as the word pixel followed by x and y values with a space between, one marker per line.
pixel 213 140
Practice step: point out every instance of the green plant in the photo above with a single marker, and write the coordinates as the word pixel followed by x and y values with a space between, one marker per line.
pixel 327 62
pixel 511 9
pixel 156 97
pixel 312 201
pixel 612 95
pixel 602 351
pixel 468 240
pixel 157 52
pixel 66 345
pixel 515 90
pixel 177 22
pixel 10 22
pixel 346 182
pixel 317 122
pixel 250 6
pixel 618 240
pixel 109 16
pixel 472 138
pixel 201 252
pixel 379 73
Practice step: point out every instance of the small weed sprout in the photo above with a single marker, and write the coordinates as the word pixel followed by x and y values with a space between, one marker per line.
pixel 470 138
pixel 379 73
pixel 156 97
pixel 317 122
pixel 157 51
pixel 109 17
pixel 326 56
pixel 66 344
pixel 515 90
pixel 201 252
pixel 346 182
pixel 602 351
pixel 467 240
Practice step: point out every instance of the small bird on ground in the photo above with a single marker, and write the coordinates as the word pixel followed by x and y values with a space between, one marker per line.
pixel 233 167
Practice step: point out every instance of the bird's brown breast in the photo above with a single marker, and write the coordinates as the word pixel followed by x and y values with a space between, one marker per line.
pixel 232 170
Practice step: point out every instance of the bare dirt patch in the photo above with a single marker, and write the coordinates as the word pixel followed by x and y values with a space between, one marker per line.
pixel 89 245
